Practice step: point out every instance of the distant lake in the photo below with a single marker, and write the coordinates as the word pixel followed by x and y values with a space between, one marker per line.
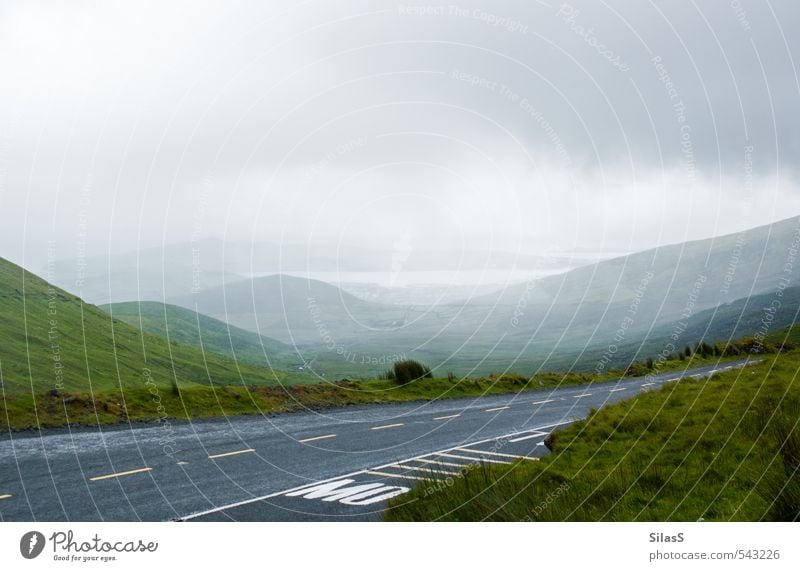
pixel 478 278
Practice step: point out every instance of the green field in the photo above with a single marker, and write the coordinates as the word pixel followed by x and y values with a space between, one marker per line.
pixel 724 448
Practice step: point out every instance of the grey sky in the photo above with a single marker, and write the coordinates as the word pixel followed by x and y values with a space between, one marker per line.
pixel 510 125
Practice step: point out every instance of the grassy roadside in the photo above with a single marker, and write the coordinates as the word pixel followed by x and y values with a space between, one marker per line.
pixel 153 402
pixel 724 448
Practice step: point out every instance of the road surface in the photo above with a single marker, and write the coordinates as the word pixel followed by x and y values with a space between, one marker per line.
pixel 337 464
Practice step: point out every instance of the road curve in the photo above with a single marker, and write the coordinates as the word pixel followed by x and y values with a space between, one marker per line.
pixel 336 464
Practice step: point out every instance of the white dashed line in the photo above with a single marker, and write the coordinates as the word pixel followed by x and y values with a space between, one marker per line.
pixel 388 475
pixel 501 454
pixel 442 462
pixel 473 458
pixel 543 401
pixel 447 417
pixel 423 469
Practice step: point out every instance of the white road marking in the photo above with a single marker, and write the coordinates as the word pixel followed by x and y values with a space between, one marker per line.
pixel 182 463
pixel 386 474
pixel 522 438
pixel 447 417
pixel 442 462
pixel 581 396
pixel 544 401
pixel 616 390
pixel 502 454
pixel 387 426
pixel 313 438
pixel 234 453
pixel 5 496
pixel 376 471
pixel 496 409
pixel 424 469
pixel 473 458
pixel 119 474
pixel 647 384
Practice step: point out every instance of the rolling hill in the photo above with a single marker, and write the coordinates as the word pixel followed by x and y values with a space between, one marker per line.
pixel 51 340
pixel 191 328
pixel 297 310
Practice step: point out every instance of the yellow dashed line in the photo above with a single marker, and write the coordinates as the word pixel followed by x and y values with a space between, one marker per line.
pixel 224 454
pixel 119 474
pixel 387 426
pixel 313 438
pixel 496 409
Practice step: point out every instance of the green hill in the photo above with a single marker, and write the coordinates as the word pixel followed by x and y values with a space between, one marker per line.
pixel 297 310
pixel 51 340
pixel 191 328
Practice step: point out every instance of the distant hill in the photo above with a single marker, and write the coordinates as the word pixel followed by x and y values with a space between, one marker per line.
pixel 191 328
pixel 749 316
pixel 297 310
pixel 50 339
pixel 555 322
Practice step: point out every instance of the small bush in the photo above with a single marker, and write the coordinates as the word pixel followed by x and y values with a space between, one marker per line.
pixel 407 371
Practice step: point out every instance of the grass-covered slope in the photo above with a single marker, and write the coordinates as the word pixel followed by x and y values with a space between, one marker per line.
pixel 191 328
pixel 725 448
pixel 51 341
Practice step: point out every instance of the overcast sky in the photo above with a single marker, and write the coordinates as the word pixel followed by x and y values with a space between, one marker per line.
pixel 531 126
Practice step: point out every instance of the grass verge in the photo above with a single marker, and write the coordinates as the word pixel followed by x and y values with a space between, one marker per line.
pixel 724 448
pixel 151 401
